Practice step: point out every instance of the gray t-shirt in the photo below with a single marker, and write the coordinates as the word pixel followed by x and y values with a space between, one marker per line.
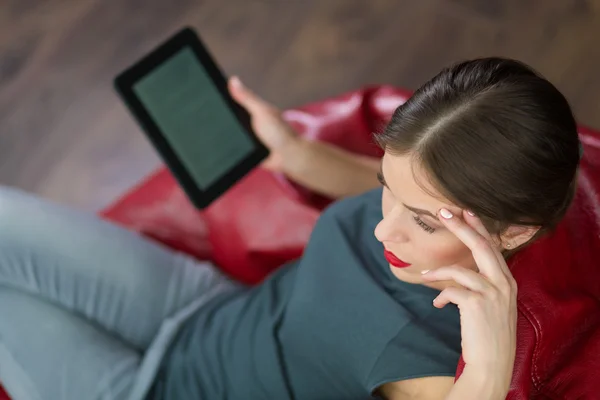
pixel 335 324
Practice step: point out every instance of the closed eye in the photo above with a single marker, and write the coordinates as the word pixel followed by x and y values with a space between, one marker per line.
pixel 380 179
pixel 423 225
pixel 418 220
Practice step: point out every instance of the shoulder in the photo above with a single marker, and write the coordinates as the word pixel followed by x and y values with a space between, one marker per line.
pixel 366 205
pixel 350 219
pixel 426 388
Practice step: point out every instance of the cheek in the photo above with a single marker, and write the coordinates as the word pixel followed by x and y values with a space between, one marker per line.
pixel 442 251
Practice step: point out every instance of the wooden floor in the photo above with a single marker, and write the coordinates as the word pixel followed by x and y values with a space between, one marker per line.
pixel 65 135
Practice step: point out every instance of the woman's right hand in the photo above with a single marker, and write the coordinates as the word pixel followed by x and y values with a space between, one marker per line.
pixel 487 302
pixel 268 124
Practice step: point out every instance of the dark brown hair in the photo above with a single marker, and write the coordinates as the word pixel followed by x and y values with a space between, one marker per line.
pixel 494 137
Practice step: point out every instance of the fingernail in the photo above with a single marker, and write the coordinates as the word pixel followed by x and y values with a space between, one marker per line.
pixel 424 272
pixel 445 213
pixel 235 81
pixel 471 213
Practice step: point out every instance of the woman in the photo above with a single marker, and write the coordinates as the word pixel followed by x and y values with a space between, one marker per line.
pixel 479 163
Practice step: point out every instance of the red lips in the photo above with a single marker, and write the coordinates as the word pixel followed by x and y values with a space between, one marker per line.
pixel 395 261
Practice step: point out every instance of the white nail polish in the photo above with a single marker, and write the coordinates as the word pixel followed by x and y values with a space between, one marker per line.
pixel 424 272
pixel 445 213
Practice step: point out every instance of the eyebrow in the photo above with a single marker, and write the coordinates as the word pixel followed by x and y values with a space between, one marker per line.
pixel 418 211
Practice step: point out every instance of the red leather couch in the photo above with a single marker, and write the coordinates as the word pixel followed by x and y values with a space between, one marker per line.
pixel 265 220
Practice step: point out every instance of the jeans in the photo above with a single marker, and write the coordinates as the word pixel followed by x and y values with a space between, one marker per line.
pixel 87 309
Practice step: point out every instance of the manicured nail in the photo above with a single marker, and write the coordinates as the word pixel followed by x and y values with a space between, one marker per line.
pixel 471 213
pixel 445 213
pixel 424 272
pixel 236 82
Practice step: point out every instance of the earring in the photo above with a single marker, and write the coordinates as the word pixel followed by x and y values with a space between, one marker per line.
pixel 508 246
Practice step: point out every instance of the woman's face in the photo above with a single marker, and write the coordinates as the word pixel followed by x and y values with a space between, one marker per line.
pixel 410 229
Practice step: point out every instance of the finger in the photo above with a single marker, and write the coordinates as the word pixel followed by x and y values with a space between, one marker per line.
pixel 464 277
pixel 452 295
pixel 477 224
pixel 270 164
pixel 483 253
pixel 246 97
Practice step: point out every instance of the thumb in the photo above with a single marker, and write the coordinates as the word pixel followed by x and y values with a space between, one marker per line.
pixel 245 97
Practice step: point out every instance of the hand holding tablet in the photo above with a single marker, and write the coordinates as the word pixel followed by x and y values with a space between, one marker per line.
pixel 269 125
pixel 180 98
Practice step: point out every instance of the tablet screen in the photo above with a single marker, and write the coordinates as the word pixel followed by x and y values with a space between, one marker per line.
pixel 194 118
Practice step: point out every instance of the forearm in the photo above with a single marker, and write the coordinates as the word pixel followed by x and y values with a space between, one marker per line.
pixel 329 170
pixel 477 385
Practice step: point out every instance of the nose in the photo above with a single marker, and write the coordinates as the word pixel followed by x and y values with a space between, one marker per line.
pixel 390 229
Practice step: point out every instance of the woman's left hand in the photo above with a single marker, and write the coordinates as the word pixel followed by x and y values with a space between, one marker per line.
pixel 487 300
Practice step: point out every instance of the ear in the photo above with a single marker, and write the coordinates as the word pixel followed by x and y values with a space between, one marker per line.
pixel 516 235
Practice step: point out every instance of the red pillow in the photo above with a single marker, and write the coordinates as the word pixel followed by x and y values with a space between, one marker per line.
pixel 266 220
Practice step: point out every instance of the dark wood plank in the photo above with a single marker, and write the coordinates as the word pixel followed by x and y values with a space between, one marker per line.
pixel 65 135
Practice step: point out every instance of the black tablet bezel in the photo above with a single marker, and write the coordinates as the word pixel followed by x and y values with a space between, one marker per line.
pixel 124 83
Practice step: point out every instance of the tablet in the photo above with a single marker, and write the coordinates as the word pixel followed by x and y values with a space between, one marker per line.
pixel 179 97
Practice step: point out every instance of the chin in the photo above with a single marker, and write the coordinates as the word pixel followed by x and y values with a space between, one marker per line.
pixel 411 274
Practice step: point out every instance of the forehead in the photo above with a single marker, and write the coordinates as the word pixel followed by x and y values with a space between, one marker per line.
pixel 410 184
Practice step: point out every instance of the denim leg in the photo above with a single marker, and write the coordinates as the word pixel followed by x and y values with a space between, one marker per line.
pixel 82 300
pixel 111 276
pixel 49 353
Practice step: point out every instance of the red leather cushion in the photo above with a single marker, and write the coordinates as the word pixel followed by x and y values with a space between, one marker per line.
pixel 266 220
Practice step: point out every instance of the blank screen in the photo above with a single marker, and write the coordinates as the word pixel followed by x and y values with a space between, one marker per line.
pixel 194 118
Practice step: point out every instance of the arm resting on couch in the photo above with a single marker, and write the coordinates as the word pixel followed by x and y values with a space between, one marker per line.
pixel 329 170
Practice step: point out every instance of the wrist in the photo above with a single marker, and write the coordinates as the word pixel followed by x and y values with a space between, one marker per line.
pixel 295 155
pixel 492 383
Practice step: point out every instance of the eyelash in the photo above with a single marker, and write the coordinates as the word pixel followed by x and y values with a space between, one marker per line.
pixel 380 178
pixel 418 220
pixel 423 225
